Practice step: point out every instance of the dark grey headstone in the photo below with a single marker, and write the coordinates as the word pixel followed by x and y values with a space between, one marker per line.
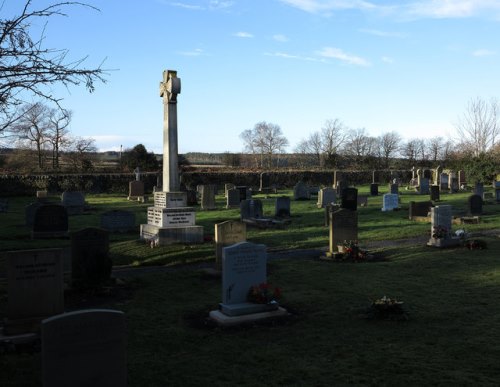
pixel 118 221
pixel 208 197
pixel 84 348
pixel 475 205
pixel 245 193
pixel 479 189
pixel 349 199
pixel 301 191
pixel 435 193
pixel 50 221
pixel 394 188
pixel 341 186
pixel 265 182
pixel 343 227
pixel 91 265
pixel 135 190
pixel 282 207
pixel 74 201
pixel 424 186
pixel 374 189
pixel 420 209
pixel 251 209
pixel 233 198
pixel 29 213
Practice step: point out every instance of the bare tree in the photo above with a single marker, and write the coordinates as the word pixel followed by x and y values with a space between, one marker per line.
pixel 80 149
pixel 479 127
pixel 27 68
pixel 32 127
pixel 265 139
pixel 58 132
pixel 409 150
pixel 388 146
pixel 333 136
pixel 312 147
pixel 435 146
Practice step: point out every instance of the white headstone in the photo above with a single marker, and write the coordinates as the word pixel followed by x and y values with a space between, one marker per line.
pixel 390 202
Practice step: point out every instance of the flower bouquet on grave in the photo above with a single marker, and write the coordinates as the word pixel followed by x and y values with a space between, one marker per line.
pixel 351 251
pixel 264 294
pixel 440 232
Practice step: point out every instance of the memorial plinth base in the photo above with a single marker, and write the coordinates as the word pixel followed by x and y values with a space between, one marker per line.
pixel 246 308
pixel 442 243
pixel 172 235
pixel 224 320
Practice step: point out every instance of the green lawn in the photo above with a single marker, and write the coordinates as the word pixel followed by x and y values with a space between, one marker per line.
pixel 451 338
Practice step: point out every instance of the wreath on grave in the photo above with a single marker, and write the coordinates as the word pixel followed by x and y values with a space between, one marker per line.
pixel 386 308
pixel 264 294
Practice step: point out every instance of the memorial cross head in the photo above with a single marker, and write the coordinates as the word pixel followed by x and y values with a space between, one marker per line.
pixel 170 87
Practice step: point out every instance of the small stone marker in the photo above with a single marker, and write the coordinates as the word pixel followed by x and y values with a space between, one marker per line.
pixel 91 265
pixel 118 221
pixel 326 196
pixel 390 202
pixel 50 221
pixel 349 199
pixel 74 201
pixel 251 209
pixel 435 193
pixel 343 227
pixel 135 190
pixel 208 197
pixel 228 233
pixel 475 205
pixel 84 348
pixel 35 288
pixel 374 189
pixel 233 198
pixel 301 191
pixel 282 207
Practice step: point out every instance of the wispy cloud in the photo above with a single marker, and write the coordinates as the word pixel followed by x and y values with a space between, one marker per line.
pixel 208 5
pixel 220 4
pixel 414 9
pixel 337 53
pixel 243 35
pixel 195 52
pixel 291 56
pixel 280 38
pixel 483 52
pixel 387 59
pixel 383 34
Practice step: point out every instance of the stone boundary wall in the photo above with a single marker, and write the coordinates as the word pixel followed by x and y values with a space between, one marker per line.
pixel 27 185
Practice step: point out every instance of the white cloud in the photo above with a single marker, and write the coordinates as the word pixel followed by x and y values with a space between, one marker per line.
pixel 280 38
pixel 337 53
pixel 452 8
pixel 195 52
pixel 187 6
pixel 290 56
pixel 383 34
pixel 243 35
pixel 316 6
pixel 483 52
pixel 210 5
pixel 387 59
pixel 219 4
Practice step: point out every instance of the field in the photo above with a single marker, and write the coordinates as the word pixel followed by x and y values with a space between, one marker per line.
pixel 451 337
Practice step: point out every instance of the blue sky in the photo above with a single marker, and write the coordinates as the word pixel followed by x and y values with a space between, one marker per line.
pixel 383 65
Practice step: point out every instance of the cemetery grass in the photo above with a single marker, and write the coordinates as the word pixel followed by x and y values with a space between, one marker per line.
pixel 452 336
pixel 305 231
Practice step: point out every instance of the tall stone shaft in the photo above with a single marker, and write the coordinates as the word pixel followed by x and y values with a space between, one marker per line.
pixel 169 88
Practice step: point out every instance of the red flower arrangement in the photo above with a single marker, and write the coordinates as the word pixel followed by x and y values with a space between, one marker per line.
pixel 263 294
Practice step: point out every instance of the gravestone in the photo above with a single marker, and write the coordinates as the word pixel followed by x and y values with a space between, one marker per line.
pixel 118 221
pixel 390 202
pixel 424 186
pixel 326 196
pixel 435 193
pixel 91 265
pixel 394 188
pixel 208 197
pixel 419 209
pixel 454 187
pixel 441 217
pixel 363 200
pixel 245 192
pixel 461 179
pixel 341 186
pixel 343 227
pixel 191 197
pixel 50 221
pixel 374 189
pixel 74 201
pixel 349 199
pixel 444 177
pixel 227 187
pixel 243 266
pixel 282 207
pixel 35 288
pixel 228 233
pixel 265 182
pixel 427 174
pixel 479 189
pixel 29 213
pixel 497 195
pixel 233 198
pixel 135 190
pixel 84 348
pixel 475 205
pixel 251 209
pixel 301 191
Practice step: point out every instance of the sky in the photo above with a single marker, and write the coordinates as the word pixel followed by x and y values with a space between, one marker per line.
pixel 382 65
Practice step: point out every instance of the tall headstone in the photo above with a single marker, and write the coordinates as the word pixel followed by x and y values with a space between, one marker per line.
pixel 136 190
pixel 74 201
pixel 90 261
pixel 374 189
pixel 301 191
pixel 475 205
pixel 84 348
pixel 343 227
pixel 349 199
pixel 170 220
pixel 437 175
pixel 479 189
pixel 441 219
pixel 444 179
pixel 265 182
pixel 282 207
pixel 390 202
pixel 462 182
pixel 35 288
pixel 227 187
pixel 435 194
pixel 424 186
pixel 228 233
pixel 208 197
pixel 233 198
pixel 326 196
pixel 251 209
pixel 394 188
pixel 245 192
